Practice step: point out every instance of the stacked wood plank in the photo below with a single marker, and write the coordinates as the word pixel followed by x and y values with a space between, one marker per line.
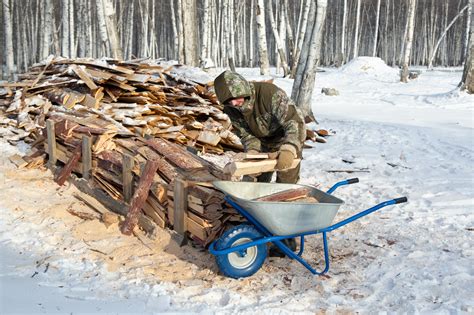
pixel 126 98
pixel 125 128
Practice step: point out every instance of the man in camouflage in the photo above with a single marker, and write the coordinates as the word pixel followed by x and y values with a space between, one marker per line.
pixel 265 119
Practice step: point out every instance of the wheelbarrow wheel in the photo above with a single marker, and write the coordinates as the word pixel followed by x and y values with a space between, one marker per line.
pixel 242 263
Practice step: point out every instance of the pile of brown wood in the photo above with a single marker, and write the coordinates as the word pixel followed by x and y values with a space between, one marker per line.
pixel 116 97
pixel 113 124
pixel 121 132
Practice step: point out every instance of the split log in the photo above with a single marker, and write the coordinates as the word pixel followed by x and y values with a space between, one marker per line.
pixel 286 195
pixel 67 169
pixel 239 168
pixel 139 197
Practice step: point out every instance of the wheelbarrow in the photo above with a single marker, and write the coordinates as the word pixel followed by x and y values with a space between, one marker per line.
pixel 242 250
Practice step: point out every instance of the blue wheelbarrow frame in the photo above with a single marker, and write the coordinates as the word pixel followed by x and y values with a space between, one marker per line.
pixel 268 237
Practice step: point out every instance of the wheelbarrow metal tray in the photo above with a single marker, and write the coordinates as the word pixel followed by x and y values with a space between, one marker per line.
pixel 283 218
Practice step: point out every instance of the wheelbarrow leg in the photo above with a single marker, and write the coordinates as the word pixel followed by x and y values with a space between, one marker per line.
pixel 292 255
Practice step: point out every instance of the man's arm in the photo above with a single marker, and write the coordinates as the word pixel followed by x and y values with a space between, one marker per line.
pixel 242 130
pixel 291 119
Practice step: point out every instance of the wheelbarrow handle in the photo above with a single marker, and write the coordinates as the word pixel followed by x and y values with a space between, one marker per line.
pixel 365 212
pixel 342 183
pixel 400 200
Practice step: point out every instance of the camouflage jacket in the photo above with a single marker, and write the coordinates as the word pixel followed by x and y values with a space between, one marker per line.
pixel 267 117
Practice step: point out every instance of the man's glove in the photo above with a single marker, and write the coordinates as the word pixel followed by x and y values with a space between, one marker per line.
pixel 286 157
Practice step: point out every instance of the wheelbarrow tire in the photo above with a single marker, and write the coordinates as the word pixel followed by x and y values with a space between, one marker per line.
pixel 233 265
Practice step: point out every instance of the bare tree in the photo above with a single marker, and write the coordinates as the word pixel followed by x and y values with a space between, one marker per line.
pixel 342 53
pixel 433 53
pixel 112 30
pixel 467 81
pixel 65 29
pixel 307 65
pixel 278 40
pixel 262 39
pixel 102 29
pixel 355 51
pixel 409 40
pixel 189 14
pixel 377 19
pixel 205 32
pixel 302 24
pixel 7 21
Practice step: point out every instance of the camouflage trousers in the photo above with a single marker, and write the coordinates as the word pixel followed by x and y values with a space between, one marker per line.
pixel 291 176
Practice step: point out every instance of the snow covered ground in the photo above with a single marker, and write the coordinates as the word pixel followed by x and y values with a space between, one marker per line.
pixel 413 140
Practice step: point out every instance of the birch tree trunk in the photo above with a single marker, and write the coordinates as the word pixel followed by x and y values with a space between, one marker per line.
pixel 306 73
pixel 65 29
pixel 190 33
pixel 72 38
pixel 262 39
pixel 376 35
pixel 104 51
pixel 342 57
pixel 433 54
pixel 205 33
pixel 7 22
pixel 301 34
pixel 112 30
pixel 467 81
pixel 179 22
pixel 409 41
pixel 278 41
pixel 355 51
pixel 48 29
pixel 175 30
pixel 468 28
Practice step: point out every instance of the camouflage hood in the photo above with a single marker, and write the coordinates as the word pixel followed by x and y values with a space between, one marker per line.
pixel 229 85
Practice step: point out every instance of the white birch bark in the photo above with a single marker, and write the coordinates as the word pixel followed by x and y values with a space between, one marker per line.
pixel 112 31
pixel 72 39
pixel 231 31
pixel 467 81
pixel 102 28
pixel 468 28
pixel 190 26
pixel 302 25
pixel 65 46
pixel 48 29
pixel 433 53
pixel 81 27
pixel 7 22
pixel 278 41
pixel 262 39
pixel 342 57
pixel 205 33
pixel 306 73
pixel 251 31
pixel 409 41
pixel 175 30
pixel 130 31
pixel 376 35
pixel 355 51
pixel 179 20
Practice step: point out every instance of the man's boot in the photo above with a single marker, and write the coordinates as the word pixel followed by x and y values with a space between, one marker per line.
pixel 274 251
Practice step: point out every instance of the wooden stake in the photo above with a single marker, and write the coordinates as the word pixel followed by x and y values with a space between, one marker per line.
pixel 67 169
pixel 51 143
pixel 86 157
pixel 127 176
pixel 139 197
pixel 180 205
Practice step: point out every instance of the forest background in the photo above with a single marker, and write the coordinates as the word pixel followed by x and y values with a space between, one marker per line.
pixel 228 33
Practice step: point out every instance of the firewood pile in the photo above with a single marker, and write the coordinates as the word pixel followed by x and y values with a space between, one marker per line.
pixel 123 132
pixel 131 113
pixel 118 98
